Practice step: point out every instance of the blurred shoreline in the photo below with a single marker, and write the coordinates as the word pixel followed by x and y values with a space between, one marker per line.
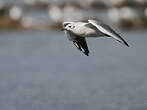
pixel 125 14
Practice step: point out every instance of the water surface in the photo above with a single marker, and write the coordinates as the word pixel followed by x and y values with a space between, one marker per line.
pixel 42 70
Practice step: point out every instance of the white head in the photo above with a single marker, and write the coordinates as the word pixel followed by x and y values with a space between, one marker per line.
pixel 68 26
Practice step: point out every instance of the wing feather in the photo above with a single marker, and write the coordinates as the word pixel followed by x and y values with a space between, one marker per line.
pixel 108 31
pixel 79 42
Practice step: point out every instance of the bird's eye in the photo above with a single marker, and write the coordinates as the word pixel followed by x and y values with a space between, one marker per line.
pixel 71 26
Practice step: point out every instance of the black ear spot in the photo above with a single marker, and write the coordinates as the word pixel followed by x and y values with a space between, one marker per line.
pixel 66 24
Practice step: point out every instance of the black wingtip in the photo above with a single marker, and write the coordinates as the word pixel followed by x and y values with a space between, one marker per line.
pixel 87 54
pixel 81 44
pixel 126 43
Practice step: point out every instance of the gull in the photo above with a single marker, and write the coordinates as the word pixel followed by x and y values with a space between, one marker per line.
pixel 78 31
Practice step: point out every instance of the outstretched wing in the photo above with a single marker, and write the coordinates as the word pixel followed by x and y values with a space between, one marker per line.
pixel 78 41
pixel 108 31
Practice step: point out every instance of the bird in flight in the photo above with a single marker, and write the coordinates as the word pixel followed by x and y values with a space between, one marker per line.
pixel 78 31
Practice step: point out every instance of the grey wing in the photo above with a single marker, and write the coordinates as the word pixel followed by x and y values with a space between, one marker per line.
pixel 79 42
pixel 108 31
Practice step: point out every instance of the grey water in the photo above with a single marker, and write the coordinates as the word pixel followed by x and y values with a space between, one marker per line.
pixel 42 70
